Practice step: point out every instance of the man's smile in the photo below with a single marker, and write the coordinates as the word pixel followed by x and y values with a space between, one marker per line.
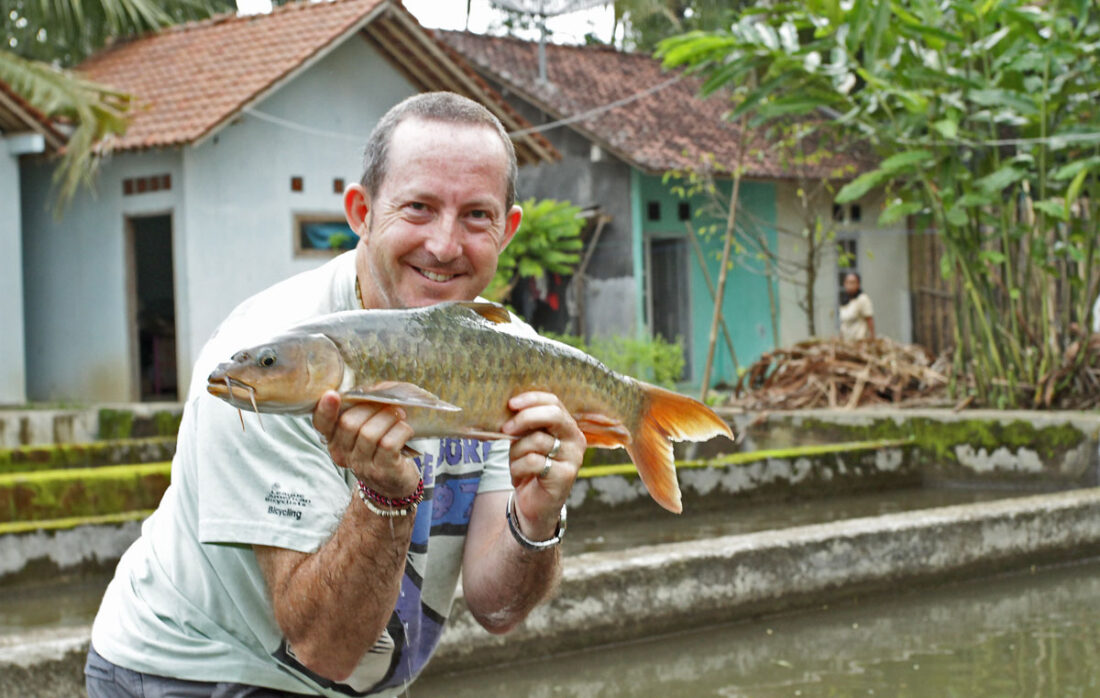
pixel 434 276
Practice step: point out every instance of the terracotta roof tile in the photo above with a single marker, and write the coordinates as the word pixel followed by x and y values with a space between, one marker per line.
pixel 670 128
pixel 17 114
pixel 189 79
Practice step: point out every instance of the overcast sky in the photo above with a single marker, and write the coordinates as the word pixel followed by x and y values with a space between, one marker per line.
pixel 451 14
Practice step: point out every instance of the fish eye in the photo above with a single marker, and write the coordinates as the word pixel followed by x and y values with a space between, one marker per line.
pixel 266 358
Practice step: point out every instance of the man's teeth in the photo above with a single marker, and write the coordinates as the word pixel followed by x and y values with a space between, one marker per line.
pixel 436 277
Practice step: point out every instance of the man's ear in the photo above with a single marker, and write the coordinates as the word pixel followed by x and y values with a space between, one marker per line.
pixel 511 225
pixel 356 208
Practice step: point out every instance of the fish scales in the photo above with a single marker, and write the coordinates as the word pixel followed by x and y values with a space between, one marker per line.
pixel 476 367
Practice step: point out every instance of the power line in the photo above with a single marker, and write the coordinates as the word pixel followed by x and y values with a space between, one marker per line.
pixel 598 110
pixel 295 126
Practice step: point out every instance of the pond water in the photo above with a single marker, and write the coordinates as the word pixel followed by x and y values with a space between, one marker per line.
pixel 1033 635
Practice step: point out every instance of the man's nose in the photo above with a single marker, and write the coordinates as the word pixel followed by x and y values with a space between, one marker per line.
pixel 445 242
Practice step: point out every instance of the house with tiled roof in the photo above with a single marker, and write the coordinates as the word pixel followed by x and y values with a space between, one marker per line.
pixel 229 178
pixel 24 133
pixel 621 123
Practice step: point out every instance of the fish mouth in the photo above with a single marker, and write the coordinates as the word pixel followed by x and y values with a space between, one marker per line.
pixel 236 392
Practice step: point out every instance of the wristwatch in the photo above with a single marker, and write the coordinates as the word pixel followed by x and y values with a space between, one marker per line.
pixel 509 513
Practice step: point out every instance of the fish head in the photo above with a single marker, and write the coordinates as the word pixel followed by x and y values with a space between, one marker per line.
pixel 285 375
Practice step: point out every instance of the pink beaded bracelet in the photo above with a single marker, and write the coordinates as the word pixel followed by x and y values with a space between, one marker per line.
pixel 392 506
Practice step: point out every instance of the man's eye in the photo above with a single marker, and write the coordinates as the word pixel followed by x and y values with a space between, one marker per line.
pixel 418 206
pixel 480 214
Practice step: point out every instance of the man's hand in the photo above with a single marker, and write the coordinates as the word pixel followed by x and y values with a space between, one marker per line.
pixel 540 419
pixel 367 439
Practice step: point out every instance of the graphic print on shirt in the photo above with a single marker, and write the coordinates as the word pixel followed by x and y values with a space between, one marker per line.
pixel 452 470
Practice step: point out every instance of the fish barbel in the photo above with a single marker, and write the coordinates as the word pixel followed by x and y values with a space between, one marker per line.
pixel 453 367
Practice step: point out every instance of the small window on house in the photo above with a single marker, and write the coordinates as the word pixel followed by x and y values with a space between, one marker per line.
pixel 322 235
pixel 683 211
pixel 653 210
pixel 855 213
pixel 838 213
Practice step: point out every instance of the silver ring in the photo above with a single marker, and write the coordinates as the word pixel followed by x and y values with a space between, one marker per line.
pixel 546 468
pixel 554 449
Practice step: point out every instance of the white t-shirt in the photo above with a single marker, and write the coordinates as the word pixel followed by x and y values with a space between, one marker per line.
pixel 188 599
pixel 853 318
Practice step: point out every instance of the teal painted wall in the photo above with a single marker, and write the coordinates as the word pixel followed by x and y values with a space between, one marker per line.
pixel 746 306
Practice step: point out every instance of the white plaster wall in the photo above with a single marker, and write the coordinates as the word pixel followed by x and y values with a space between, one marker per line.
pixel 791 220
pixel 238 217
pixel 12 373
pixel 883 265
pixel 77 317
pixel 884 269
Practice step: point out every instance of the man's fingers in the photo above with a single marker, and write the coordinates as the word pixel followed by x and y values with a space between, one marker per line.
pixel 326 413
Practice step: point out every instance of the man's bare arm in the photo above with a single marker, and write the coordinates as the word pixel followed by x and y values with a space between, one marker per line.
pixel 333 605
pixel 501 580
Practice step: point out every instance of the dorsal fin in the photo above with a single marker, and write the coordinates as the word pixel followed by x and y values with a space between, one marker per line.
pixel 493 312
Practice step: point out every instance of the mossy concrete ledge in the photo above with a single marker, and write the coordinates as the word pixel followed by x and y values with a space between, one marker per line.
pixel 62 494
pixel 1028 448
pixel 87 455
pixel 34 425
pixel 79 545
pixel 771 474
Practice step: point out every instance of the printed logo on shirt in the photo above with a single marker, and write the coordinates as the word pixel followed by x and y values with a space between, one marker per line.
pixel 287 505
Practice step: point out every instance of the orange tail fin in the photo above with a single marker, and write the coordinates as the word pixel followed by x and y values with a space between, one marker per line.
pixel 669 415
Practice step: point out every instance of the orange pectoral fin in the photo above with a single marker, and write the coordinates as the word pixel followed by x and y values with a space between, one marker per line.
pixel 602 431
pixel 402 394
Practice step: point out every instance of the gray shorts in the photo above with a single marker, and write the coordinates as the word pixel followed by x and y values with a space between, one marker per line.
pixel 106 680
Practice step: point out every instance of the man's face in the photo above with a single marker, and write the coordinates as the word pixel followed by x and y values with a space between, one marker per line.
pixel 436 226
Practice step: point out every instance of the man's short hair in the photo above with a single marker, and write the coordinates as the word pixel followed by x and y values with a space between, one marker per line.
pixel 433 106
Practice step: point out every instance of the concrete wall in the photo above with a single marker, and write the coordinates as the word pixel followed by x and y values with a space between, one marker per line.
pixel 883 263
pixel 590 177
pixel 233 225
pixel 12 373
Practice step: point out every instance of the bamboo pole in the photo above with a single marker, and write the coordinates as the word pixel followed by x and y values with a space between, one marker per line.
pixel 710 289
pixel 723 273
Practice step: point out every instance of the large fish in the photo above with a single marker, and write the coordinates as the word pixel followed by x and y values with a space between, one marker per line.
pixel 453 367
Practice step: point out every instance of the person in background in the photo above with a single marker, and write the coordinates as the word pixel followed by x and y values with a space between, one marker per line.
pixel 857 316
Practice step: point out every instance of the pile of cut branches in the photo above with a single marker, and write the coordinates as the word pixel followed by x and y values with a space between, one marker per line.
pixel 835 373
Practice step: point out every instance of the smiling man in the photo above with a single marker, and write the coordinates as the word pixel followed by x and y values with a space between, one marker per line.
pixel 313 557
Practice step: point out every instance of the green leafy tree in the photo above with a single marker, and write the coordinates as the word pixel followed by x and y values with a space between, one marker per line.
pixel 548 240
pixel 647 22
pixel 985 123
pixel 44 37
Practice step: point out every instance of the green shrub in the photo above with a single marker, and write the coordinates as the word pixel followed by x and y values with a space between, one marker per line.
pixel 652 359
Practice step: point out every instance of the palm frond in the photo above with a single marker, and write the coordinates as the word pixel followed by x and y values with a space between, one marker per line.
pixel 94 112
pixel 70 30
